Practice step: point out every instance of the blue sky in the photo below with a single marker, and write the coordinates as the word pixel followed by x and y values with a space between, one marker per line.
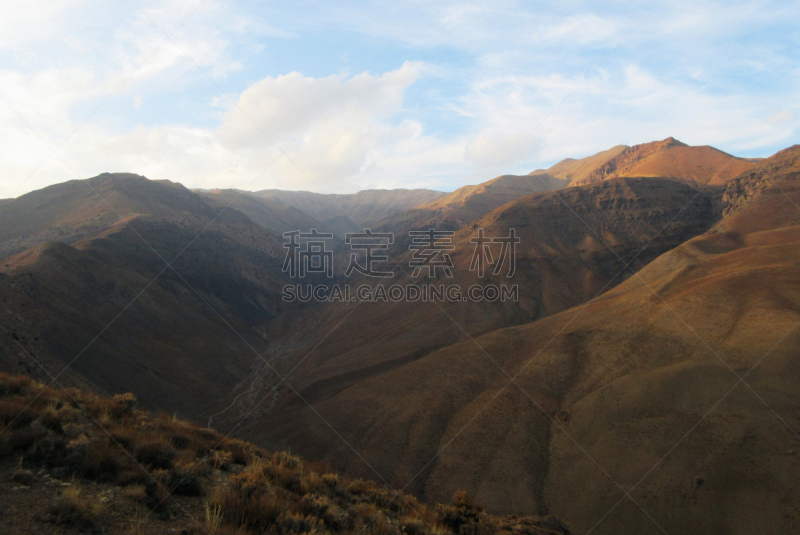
pixel 337 98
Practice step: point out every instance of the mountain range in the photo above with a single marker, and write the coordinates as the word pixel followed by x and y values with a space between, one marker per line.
pixel 643 381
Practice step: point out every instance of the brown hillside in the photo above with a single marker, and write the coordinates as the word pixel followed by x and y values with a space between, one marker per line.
pixel 467 204
pixel 74 462
pixel 575 171
pixel 78 300
pixel 672 159
pixel 81 209
pixel 399 381
pixel 638 389
pixel 560 263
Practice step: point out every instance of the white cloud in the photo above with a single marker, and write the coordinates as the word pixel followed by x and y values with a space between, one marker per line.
pixel 26 22
pixel 354 142
pixel 283 106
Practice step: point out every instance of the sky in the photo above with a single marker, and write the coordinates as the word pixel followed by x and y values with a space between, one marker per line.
pixel 336 97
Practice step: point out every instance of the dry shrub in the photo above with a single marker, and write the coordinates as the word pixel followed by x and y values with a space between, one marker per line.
pixel 184 482
pixel 15 413
pixel 124 437
pixel 334 517
pixel 465 516
pixel 155 454
pixel 53 421
pixel 312 483
pixel 117 408
pixel 331 480
pixel 75 430
pixel 219 459
pixel 136 493
pixel 462 499
pixel 101 462
pixel 214 525
pixel 157 496
pixel 248 505
pixel 282 476
pixel 13 384
pixel 238 452
pixel 320 467
pixel 412 526
pixel 98 407
pixel 23 477
pixel 360 486
pixel 179 441
pixel 383 499
pixel 379 524
pixel 124 405
pixel 189 461
pixel 133 474
pixel 22 439
pixel 296 523
pixel 74 510
pixel 286 460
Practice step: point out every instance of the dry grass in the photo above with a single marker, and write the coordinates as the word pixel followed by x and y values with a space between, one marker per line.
pixel 74 510
pixel 136 493
pixel 156 457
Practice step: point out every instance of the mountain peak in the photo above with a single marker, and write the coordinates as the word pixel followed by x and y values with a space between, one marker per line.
pixel 669 142
pixel 670 158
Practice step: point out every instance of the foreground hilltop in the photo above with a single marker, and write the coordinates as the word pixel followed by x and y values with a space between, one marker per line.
pixel 76 461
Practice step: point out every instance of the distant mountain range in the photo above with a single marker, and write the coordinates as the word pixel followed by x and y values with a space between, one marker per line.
pixel 340 213
pixel 651 279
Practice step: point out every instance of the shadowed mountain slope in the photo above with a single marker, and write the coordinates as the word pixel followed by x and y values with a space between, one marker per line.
pixel 639 388
pixel 103 296
pixel 563 260
pixel 270 214
pixel 79 209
